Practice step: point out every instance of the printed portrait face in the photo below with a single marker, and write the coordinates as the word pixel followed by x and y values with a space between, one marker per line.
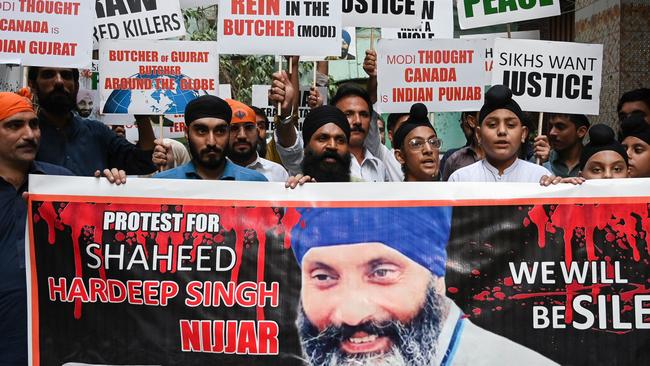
pixel 367 304
pixel 85 103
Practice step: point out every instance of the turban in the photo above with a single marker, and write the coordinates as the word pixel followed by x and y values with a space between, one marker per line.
pixel 346 36
pixel 500 97
pixel 419 233
pixel 418 117
pixel 12 103
pixel 207 106
pixel 601 138
pixel 85 94
pixel 241 113
pixel 636 126
pixel 319 117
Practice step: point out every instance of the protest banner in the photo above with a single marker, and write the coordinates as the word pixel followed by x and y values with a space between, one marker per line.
pixel 481 13
pixel 489 52
pixel 197 3
pixel 446 75
pixel 386 13
pixel 437 22
pixel 46 33
pixel 151 19
pixel 280 27
pixel 160 273
pixel 549 76
pixel 260 99
pixel 155 77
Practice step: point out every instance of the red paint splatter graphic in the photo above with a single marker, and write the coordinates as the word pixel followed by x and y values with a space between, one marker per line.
pixel 250 226
pixel 620 223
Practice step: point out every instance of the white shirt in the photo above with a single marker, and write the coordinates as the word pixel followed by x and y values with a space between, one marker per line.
pixel 473 345
pixel 291 156
pixel 373 144
pixel 371 169
pixel 273 171
pixel 482 171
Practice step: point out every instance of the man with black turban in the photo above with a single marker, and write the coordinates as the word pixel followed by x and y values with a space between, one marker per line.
pixel 208 131
pixel 373 292
pixel 325 133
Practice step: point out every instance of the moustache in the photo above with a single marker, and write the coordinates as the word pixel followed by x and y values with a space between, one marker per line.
pixel 210 149
pixel 331 154
pixel 357 128
pixel 28 143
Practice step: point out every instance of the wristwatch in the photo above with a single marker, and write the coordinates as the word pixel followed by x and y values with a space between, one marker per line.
pixel 290 119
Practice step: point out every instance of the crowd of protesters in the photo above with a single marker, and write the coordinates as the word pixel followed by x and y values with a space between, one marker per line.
pixel 339 142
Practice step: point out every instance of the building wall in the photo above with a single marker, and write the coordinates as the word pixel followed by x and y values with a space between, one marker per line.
pixel 622 27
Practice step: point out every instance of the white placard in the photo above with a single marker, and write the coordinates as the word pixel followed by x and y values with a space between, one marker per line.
pixel 489 62
pixel 197 3
pixel 382 13
pixel 549 76
pixel 280 27
pixel 437 22
pixel 481 13
pixel 225 91
pixel 445 74
pixel 155 77
pixel 153 19
pixel 46 33
pixel 260 98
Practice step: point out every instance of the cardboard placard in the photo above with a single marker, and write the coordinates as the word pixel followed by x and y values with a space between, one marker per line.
pixel 489 62
pixel 152 19
pixel 280 27
pixel 155 77
pixel 46 33
pixel 382 13
pixel 549 76
pixel 446 75
pixel 481 13
pixel 437 22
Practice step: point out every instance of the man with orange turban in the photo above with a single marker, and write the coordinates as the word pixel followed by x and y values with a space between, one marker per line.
pixel 19 138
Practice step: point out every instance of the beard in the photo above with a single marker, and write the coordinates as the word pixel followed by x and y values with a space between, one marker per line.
pixel 315 166
pixel 58 102
pixel 413 344
pixel 242 156
pixel 201 157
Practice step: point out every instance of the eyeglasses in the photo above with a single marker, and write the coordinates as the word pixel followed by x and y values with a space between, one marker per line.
pixel 417 144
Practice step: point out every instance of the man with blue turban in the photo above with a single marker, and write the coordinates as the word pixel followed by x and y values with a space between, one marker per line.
pixel 373 292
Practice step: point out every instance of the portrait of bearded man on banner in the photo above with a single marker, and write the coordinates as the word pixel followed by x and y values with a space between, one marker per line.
pixel 373 292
